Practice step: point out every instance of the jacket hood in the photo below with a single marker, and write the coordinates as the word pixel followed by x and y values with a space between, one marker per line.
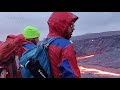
pixel 20 37
pixel 1 41
pixel 59 22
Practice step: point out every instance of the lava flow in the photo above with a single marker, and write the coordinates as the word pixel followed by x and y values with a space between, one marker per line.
pixel 84 70
pixel 96 71
pixel 83 57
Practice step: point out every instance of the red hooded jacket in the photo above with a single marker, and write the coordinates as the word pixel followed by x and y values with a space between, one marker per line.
pixel 61 52
pixel 11 58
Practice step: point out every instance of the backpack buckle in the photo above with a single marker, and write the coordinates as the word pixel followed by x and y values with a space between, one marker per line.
pixel 46 45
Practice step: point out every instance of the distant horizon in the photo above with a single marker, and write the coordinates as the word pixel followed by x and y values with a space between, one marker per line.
pixel 96 35
pixel 88 22
pixel 104 34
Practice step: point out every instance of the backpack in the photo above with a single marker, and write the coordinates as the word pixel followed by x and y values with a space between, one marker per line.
pixel 34 63
pixel 8 49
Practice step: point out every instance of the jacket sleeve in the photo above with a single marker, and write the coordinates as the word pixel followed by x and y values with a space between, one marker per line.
pixel 68 66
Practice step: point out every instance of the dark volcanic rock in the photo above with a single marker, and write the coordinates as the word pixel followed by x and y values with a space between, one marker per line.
pixel 105 47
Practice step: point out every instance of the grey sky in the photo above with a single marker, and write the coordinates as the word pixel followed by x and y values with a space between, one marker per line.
pixel 88 22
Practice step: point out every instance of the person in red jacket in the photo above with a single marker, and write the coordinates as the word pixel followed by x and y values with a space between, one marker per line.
pixel 61 52
pixel 27 40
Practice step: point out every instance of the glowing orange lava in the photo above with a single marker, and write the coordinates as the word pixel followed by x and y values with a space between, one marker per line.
pixel 96 71
pixel 83 57
pixel 93 70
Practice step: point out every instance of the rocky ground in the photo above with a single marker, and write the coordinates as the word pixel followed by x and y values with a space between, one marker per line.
pixel 106 50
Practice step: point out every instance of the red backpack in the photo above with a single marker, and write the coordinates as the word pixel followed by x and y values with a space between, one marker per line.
pixel 8 49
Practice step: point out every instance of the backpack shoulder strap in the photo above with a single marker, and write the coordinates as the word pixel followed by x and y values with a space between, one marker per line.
pixel 44 44
pixel 50 41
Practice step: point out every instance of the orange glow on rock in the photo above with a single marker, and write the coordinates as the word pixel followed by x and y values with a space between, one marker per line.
pixel 96 71
pixel 83 57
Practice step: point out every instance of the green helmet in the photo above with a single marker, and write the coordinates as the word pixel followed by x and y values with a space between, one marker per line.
pixel 31 32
